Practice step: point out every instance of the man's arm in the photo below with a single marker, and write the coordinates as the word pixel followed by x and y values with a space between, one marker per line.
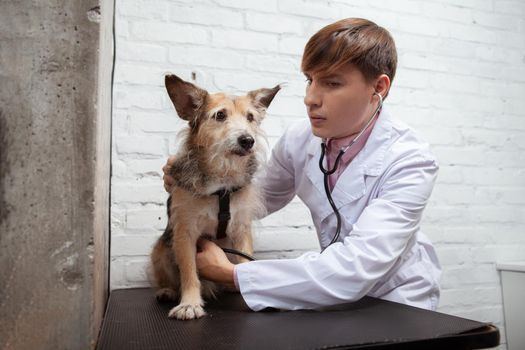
pixel 346 271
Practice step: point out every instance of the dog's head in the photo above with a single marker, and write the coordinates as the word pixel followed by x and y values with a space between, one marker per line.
pixel 228 125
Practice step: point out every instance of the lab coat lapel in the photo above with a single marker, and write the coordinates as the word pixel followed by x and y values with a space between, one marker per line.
pixel 351 184
pixel 368 162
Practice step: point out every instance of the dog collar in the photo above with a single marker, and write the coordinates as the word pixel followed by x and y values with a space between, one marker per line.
pixel 224 211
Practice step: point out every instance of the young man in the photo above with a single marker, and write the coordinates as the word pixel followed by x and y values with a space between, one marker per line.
pixel 381 186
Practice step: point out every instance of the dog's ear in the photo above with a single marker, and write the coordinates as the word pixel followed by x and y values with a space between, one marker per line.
pixel 263 97
pixel 186 97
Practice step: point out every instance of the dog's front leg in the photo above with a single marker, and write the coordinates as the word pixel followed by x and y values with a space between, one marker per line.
pixel 242 241
pixel 191 304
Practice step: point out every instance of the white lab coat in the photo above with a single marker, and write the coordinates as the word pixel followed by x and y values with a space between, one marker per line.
pixel 381 251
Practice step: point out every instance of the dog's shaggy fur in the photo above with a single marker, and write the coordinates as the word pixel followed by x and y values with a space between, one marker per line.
pixel 221 151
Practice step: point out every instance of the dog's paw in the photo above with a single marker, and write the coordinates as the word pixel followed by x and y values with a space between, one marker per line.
pixel 187 311
pixel 166 294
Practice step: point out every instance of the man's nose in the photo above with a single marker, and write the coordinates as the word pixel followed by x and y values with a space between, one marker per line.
pixel 312 98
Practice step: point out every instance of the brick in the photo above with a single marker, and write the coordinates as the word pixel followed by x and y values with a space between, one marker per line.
pixel 454 255
pixel 138 192
pixel 289 106
pixel 117 273
pixel 136 272
pixel 453 194
pixel 143 146
pixel 469 275
pixel 506 22
pixel 141 9
pixel 449 155
pixel 420 26
pixel 309 9
pixel 494 176
pixel 263 6
pixel 402 6
pixel 139 168
pixel 484 313
pixel 118 168
pixel 121 28
pixel 132 245
pixel 299 212
pixel 474 4
pixel 447 12
pixel 410 78
pixel 241 83
pixel 451 47
pixel 169 32
pixel 438 135
pixel 512 7
pixel 292 45
pixel 468 297
pixel 474 33
pixel 244 40
pixel 151 122
pixel 137 74
pixel 423 62
pixel 206 14
pixel 455 82
pixel 138 97
pixel 470 235
pixel 206 56
pixel 500 214
pixel 147 219
pixel 274 23
pixel 413 42
pixel 271 64
pixel 133 51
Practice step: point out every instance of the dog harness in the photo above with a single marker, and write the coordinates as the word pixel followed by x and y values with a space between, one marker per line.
pixel 224 211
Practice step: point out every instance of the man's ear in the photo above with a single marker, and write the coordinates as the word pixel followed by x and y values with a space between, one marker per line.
pixel 263 97
pixel 186 97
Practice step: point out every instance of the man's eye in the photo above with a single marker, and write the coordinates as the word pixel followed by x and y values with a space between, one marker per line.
pixel 308 81
pixel 220 116
pixel 332 83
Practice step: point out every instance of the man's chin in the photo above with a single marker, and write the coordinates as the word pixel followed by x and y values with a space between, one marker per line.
pixel 320 132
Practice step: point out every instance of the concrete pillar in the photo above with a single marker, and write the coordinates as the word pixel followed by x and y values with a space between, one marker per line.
pixel 51 167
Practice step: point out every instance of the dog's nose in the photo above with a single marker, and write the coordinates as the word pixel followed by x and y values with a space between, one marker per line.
pixel 246 142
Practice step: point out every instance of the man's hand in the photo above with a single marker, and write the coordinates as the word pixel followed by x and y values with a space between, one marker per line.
pixel 168 179
pixel 212 263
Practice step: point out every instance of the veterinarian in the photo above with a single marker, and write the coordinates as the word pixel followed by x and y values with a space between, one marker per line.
pixel 380 186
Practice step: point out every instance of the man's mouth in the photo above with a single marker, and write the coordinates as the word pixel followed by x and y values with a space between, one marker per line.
pixel 316 119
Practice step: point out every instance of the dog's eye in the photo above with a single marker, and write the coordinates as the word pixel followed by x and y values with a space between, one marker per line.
pixel 250 117
pixel 220 116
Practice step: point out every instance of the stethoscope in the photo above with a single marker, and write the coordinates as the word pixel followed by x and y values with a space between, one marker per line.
pixel 328 172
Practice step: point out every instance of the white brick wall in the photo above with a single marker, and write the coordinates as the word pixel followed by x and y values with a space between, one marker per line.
pixel 460 82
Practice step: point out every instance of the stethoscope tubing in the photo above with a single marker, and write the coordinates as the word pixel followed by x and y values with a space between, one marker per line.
pixel 328 172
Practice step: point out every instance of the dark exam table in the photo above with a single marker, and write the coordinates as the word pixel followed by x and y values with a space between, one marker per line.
pixel 134 320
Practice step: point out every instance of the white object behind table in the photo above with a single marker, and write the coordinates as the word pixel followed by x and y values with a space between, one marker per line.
pixel 513 287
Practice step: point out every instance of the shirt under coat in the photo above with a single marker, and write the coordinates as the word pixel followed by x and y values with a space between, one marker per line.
pixel 381 251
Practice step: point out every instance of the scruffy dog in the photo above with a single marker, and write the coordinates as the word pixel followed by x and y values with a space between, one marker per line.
pixel 219 157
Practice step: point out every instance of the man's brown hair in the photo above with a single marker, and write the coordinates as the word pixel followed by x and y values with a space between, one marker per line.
pixel 355 41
